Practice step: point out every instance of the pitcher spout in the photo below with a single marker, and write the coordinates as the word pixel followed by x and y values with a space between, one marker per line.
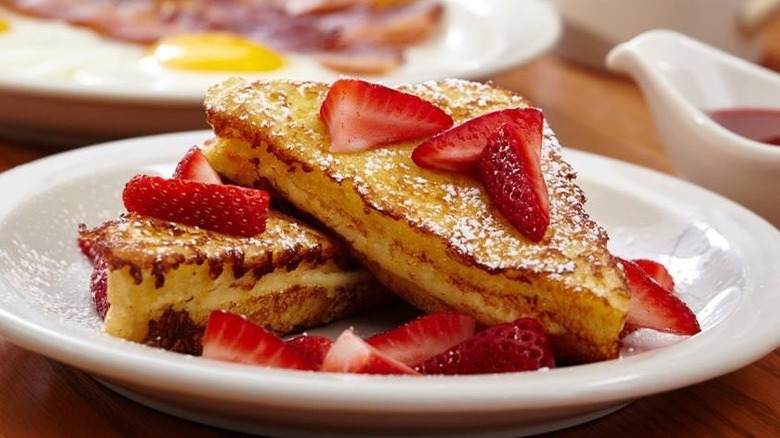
pixel 657 62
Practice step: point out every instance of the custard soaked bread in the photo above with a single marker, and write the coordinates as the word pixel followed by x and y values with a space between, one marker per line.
pixel 432 237
pixel 163 278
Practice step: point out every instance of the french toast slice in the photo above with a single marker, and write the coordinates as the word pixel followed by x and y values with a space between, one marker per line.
pixel 165 278
pixel 430 236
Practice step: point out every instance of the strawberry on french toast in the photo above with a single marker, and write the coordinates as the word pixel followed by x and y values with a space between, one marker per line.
pixel 444 227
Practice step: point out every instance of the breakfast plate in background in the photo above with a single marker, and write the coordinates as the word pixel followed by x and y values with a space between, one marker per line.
pixel 723 258
pixel 68 85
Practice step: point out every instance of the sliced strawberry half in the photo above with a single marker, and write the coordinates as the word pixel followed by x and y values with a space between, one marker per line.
pixel 233 338
pixel 194 166
pixel 312 347
pixel 360 115
pixel 421 338
pixel 224 208
pixel 351 354
pixel 88 247
pixel 98 285
pixel 521 345
pixel 511 173
pixel 458 149
pixel 657 272
pixel 652 306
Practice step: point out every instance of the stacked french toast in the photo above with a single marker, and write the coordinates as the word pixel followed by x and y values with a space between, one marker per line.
pixel 452 194
pixel 156 281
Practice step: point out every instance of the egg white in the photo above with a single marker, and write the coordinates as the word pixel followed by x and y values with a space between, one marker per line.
pixel 49 50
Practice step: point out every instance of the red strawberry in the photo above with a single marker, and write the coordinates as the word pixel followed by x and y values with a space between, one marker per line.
pixel 510 171
pixel 521 345
pixel 313 347
pixel 417 340
pixel 351 354
pixel 458 149
pixel 360 115
pixel 194 166
pixel 87 247
pixel 652 306
pixel 224 208
pixel 98 279
pixel 98 284
pixel 233 338
pixel 657 272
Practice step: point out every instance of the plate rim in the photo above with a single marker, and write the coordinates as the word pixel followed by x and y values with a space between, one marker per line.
pixel 606 381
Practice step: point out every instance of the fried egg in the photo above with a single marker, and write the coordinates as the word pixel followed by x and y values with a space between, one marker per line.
pixel 60 56
pixel 214 51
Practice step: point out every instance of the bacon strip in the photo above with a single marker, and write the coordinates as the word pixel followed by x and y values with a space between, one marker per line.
pixel 390 26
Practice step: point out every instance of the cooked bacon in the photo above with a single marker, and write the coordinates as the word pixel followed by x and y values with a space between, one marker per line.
pixel 369 60
pixel 281 31
pixel 300 7
pixel 143 26
pixel 74 11
pixel 135 21
pixel 388 26
pixel 347 35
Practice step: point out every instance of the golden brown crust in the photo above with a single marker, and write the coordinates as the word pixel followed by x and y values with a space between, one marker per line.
pixel 175 331
pixel 165 278
pixel 149 244
pixel 430 236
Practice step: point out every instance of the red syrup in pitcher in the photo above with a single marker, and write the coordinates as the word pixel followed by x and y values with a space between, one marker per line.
pixel 759 124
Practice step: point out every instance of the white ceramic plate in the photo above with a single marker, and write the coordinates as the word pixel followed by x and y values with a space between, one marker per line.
pixel 58 79
pixel 723 257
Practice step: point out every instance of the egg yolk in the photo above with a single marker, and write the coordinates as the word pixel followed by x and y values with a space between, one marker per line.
pixel 4 26
pixel 214 51
pixel 389 3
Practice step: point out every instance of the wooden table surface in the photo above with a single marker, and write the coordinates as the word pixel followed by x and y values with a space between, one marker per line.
pixel 591 111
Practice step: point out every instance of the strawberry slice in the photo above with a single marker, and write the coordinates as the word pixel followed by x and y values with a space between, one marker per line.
pixel 224 208
pixel 511 173
pixel 88 247
pixel 194 166
pixel 657 272
pixel 233 338
pixel 419 339
pixel 652 306
pixel 521 345
pixel 312 347
pixel 98 285
pixel 360 115
pixel 98 279
pixel 351 354
pixel 458 149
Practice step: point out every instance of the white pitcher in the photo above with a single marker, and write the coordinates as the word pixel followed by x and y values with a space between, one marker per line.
pixel 682 79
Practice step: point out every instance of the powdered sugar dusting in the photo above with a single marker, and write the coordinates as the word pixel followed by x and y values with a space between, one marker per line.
pixel 453 206
pixel 145 239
